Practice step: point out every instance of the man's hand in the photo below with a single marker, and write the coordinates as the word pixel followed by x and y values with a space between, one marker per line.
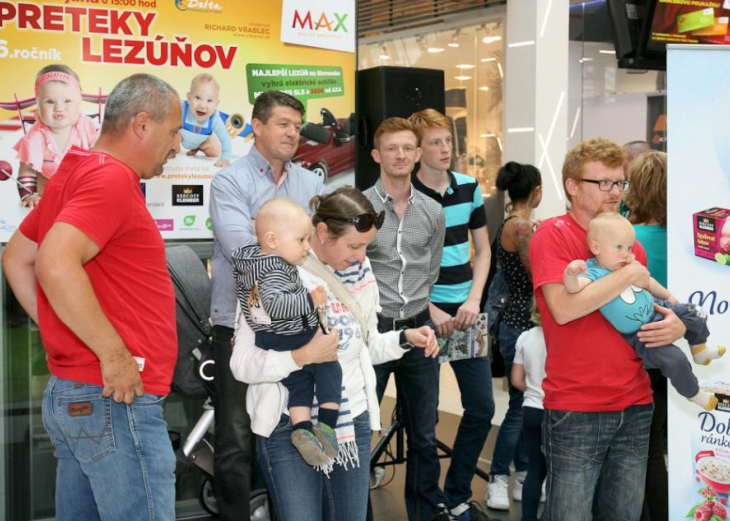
pixel 442 321
pixel 664 332
pixel 322 348
pixel 640 276
pixel 575 267
pixel 424 337
pixel 467 315
pixel 121 377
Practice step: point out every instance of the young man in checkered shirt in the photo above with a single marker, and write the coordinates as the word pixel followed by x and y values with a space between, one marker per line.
pixel 406 258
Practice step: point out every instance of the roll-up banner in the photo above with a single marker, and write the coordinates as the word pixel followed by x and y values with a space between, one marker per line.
pixel 699 270
pixel 306 49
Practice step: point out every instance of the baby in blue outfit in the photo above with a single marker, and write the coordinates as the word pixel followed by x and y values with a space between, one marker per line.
pixel 201 120
pixel 611 239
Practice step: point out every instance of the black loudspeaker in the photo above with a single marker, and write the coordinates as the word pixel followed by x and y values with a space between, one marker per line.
pixel 387 92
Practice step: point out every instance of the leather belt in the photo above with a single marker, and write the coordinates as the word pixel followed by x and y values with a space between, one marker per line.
pixel 393 324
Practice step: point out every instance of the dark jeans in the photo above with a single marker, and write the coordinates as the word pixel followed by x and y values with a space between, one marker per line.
pixel 474 377
pixel 325 378
pixel 670 359
pixel 417 384
pixel 301 493
pixel 596 463
pixel 536 467
pixel 656 498
pixel 510 445
pixel 233 442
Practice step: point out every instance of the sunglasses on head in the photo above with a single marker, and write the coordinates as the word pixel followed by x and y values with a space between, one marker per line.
pixel 362 222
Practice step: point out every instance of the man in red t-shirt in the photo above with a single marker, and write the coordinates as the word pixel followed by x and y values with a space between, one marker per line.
pixel 598 403
pixel 88 265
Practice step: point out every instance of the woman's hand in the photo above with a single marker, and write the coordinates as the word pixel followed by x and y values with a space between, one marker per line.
pixel 322 348
pixel 424 337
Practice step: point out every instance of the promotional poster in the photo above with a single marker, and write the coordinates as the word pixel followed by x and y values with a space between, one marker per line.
pixel 223 51
pixel 699 271
pixel 689 21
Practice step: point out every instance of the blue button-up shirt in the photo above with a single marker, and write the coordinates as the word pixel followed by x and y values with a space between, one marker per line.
pixel 237 193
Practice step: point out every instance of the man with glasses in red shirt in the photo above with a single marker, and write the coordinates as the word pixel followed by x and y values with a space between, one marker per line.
pixel 598 403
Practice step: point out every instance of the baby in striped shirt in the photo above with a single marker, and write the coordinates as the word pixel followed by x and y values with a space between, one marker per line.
pixel 284 316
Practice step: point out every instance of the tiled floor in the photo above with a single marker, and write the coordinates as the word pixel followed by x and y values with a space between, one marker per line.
pixel 388 503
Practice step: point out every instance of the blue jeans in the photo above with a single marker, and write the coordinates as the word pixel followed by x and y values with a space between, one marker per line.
pixel 115 461
pixel 510 445
pixel 537 470
pixel 300 493
pixel 417 384
pixel 596 463
pixel 474 377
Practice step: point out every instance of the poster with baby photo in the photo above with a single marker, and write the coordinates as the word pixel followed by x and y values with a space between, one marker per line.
pixel 62 59
pixel 698 192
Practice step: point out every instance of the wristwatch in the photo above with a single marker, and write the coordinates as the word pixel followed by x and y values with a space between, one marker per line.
pixel 404 343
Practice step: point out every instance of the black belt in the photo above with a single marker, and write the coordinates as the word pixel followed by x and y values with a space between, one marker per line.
pixel 393 324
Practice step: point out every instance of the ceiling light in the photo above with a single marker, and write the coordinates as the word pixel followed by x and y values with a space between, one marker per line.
pixel 520 129
pixel 435 49
pixel 465 66
pixel 486 135
pixel 453 44
pixel 491 39
pixel 485 88
pixel 521 44
pixel 460 78
pixel 607 51
pixel 384 57
pixel 489 59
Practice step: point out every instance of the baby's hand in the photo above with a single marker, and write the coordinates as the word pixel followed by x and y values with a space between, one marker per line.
pixel 319 296
pixel 31 201
pixel 222 162
pixel 576 267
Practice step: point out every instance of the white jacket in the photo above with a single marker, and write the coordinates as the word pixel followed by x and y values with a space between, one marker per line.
pixel 263 370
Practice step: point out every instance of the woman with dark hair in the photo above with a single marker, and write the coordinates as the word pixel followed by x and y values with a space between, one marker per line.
pixel 647 198
pixel 523 184
pixel 344 224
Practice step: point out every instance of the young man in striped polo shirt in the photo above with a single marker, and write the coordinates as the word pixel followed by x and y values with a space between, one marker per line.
pixel 455 302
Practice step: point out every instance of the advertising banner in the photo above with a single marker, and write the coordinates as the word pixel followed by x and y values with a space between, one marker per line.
pixel 242 48
pixel 689 21
pixel 699 270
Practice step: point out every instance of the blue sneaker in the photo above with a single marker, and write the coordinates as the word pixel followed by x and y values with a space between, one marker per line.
pixel 327 438
pixel 471 511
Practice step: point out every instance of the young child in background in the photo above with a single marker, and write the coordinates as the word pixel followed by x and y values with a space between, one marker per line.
pixel 201 120
pixel 611 239
pixel 528 371
pixel 284 316
pixel 59 125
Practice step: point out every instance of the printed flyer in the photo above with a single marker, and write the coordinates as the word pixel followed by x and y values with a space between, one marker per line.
pixel 224 51
pixel 699 271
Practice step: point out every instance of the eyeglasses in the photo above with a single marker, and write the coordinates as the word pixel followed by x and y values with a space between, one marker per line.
pixel 605 185
pixel 362 222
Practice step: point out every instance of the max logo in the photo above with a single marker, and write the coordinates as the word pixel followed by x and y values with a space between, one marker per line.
pixel 323 22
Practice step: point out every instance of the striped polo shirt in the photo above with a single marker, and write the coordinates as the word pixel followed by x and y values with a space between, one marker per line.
pixel 464 210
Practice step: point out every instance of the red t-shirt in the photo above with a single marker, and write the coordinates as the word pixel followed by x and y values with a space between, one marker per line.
pixel 589 366
pixel 101 197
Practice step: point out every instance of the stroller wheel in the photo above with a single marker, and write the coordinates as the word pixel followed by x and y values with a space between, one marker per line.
pixel 259 506
pixel 207 496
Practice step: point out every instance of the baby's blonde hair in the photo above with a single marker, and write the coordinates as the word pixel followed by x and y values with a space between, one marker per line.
pixel 606 221
pixel 205 78
pixel 276 215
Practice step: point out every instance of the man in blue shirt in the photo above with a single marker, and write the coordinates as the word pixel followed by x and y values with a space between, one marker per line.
pixel 455 301
pixel 237 193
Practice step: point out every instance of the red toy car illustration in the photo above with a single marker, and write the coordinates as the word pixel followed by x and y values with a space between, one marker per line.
pixel 328 148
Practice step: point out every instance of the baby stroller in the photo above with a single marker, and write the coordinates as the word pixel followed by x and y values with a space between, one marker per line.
pixel 193 374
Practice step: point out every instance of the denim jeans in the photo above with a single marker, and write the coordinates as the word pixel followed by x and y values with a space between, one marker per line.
pixel 233 438
pixel 417 384
pixel 596 463
pixel 115 461
pixel 536 469
pixel 474 377
pixel 510 445
pixel 300 493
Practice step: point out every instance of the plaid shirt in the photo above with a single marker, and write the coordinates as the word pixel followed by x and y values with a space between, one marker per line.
pixel 406 253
